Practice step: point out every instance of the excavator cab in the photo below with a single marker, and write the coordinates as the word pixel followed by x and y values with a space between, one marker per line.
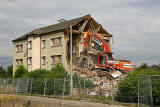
pixel 110 56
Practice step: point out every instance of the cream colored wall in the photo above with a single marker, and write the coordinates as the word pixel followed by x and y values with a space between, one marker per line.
pixel 36 56
pixel 56 50
pixel 37 52
pixel 20 55
pixel 30 54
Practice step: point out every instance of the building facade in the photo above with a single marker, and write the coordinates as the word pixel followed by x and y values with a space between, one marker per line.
pixel 40 52
pixel 44 47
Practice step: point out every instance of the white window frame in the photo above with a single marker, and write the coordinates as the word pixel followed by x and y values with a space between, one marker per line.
pixel 59 40
pixel 17 62
pixel 30 60
pixel 59 56
pixel 53 59
pixel 43 60
pixel 17 48
pixel 43 43
pixel 30 44
pixel 52 42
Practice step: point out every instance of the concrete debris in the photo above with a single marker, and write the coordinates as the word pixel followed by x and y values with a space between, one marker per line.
pixel 115 74
pixel 92 93
pixel 106 83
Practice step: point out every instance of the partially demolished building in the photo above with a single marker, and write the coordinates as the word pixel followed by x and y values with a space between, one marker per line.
pixel 46 46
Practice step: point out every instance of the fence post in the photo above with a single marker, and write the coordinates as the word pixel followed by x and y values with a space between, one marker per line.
pixel 64 84
pixel 4 83
pixel 27 86
pixel 150 91
pixel 112 91
pixel 54 85
pixel 17 88
pixel 138 90
pixel 84 88
pixel 45 87
pixel 31 86
pixel 79 85
pixel 7 90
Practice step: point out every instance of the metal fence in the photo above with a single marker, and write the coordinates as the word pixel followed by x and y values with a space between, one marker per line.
pixel 148 90
pixel 59 87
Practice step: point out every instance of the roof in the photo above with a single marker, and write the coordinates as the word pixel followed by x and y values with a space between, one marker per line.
pixel 51 28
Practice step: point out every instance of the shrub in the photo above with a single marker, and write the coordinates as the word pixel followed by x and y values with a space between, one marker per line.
pixel 55 81
pixel 58 71
pixel 38 73
pixel 128 88
pixel 77 81
pixel 20 71
pixel 55 86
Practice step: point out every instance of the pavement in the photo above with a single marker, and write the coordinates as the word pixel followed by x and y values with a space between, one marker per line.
pixel 52 102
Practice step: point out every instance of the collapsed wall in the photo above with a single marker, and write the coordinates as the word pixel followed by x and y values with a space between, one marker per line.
pixel 106 83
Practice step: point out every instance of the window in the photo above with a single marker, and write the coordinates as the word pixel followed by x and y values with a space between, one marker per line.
pixel 19 62
pixel 56 59
pixel 53 59
pixel 29 60
pixel 60 58
pixel 56 41
pixel 30 44
pixel 44 60
pixel 19 48
pixel 60 41
pixel 43 43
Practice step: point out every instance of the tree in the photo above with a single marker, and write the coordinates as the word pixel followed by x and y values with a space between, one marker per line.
pixel 144 66
pixel 20 71
pixel 10 71
pixel 155 67
pixel 2 72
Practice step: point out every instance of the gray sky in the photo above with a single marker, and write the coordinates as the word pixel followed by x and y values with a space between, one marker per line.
pixel 135 24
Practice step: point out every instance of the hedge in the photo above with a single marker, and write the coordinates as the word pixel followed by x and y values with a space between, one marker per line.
pixel 128 88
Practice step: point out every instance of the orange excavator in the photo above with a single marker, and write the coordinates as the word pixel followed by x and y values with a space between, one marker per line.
pixel 104 55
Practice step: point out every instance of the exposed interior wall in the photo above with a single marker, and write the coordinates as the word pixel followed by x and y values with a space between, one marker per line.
pixel 79 32
pixel 78 47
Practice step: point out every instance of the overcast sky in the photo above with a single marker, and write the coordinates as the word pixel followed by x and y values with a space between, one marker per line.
pixel 135 24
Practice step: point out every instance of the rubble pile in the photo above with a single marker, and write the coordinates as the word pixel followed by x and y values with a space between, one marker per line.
pixel 106 83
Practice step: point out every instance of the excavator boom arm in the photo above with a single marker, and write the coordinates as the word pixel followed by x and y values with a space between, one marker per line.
pixel 98 40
